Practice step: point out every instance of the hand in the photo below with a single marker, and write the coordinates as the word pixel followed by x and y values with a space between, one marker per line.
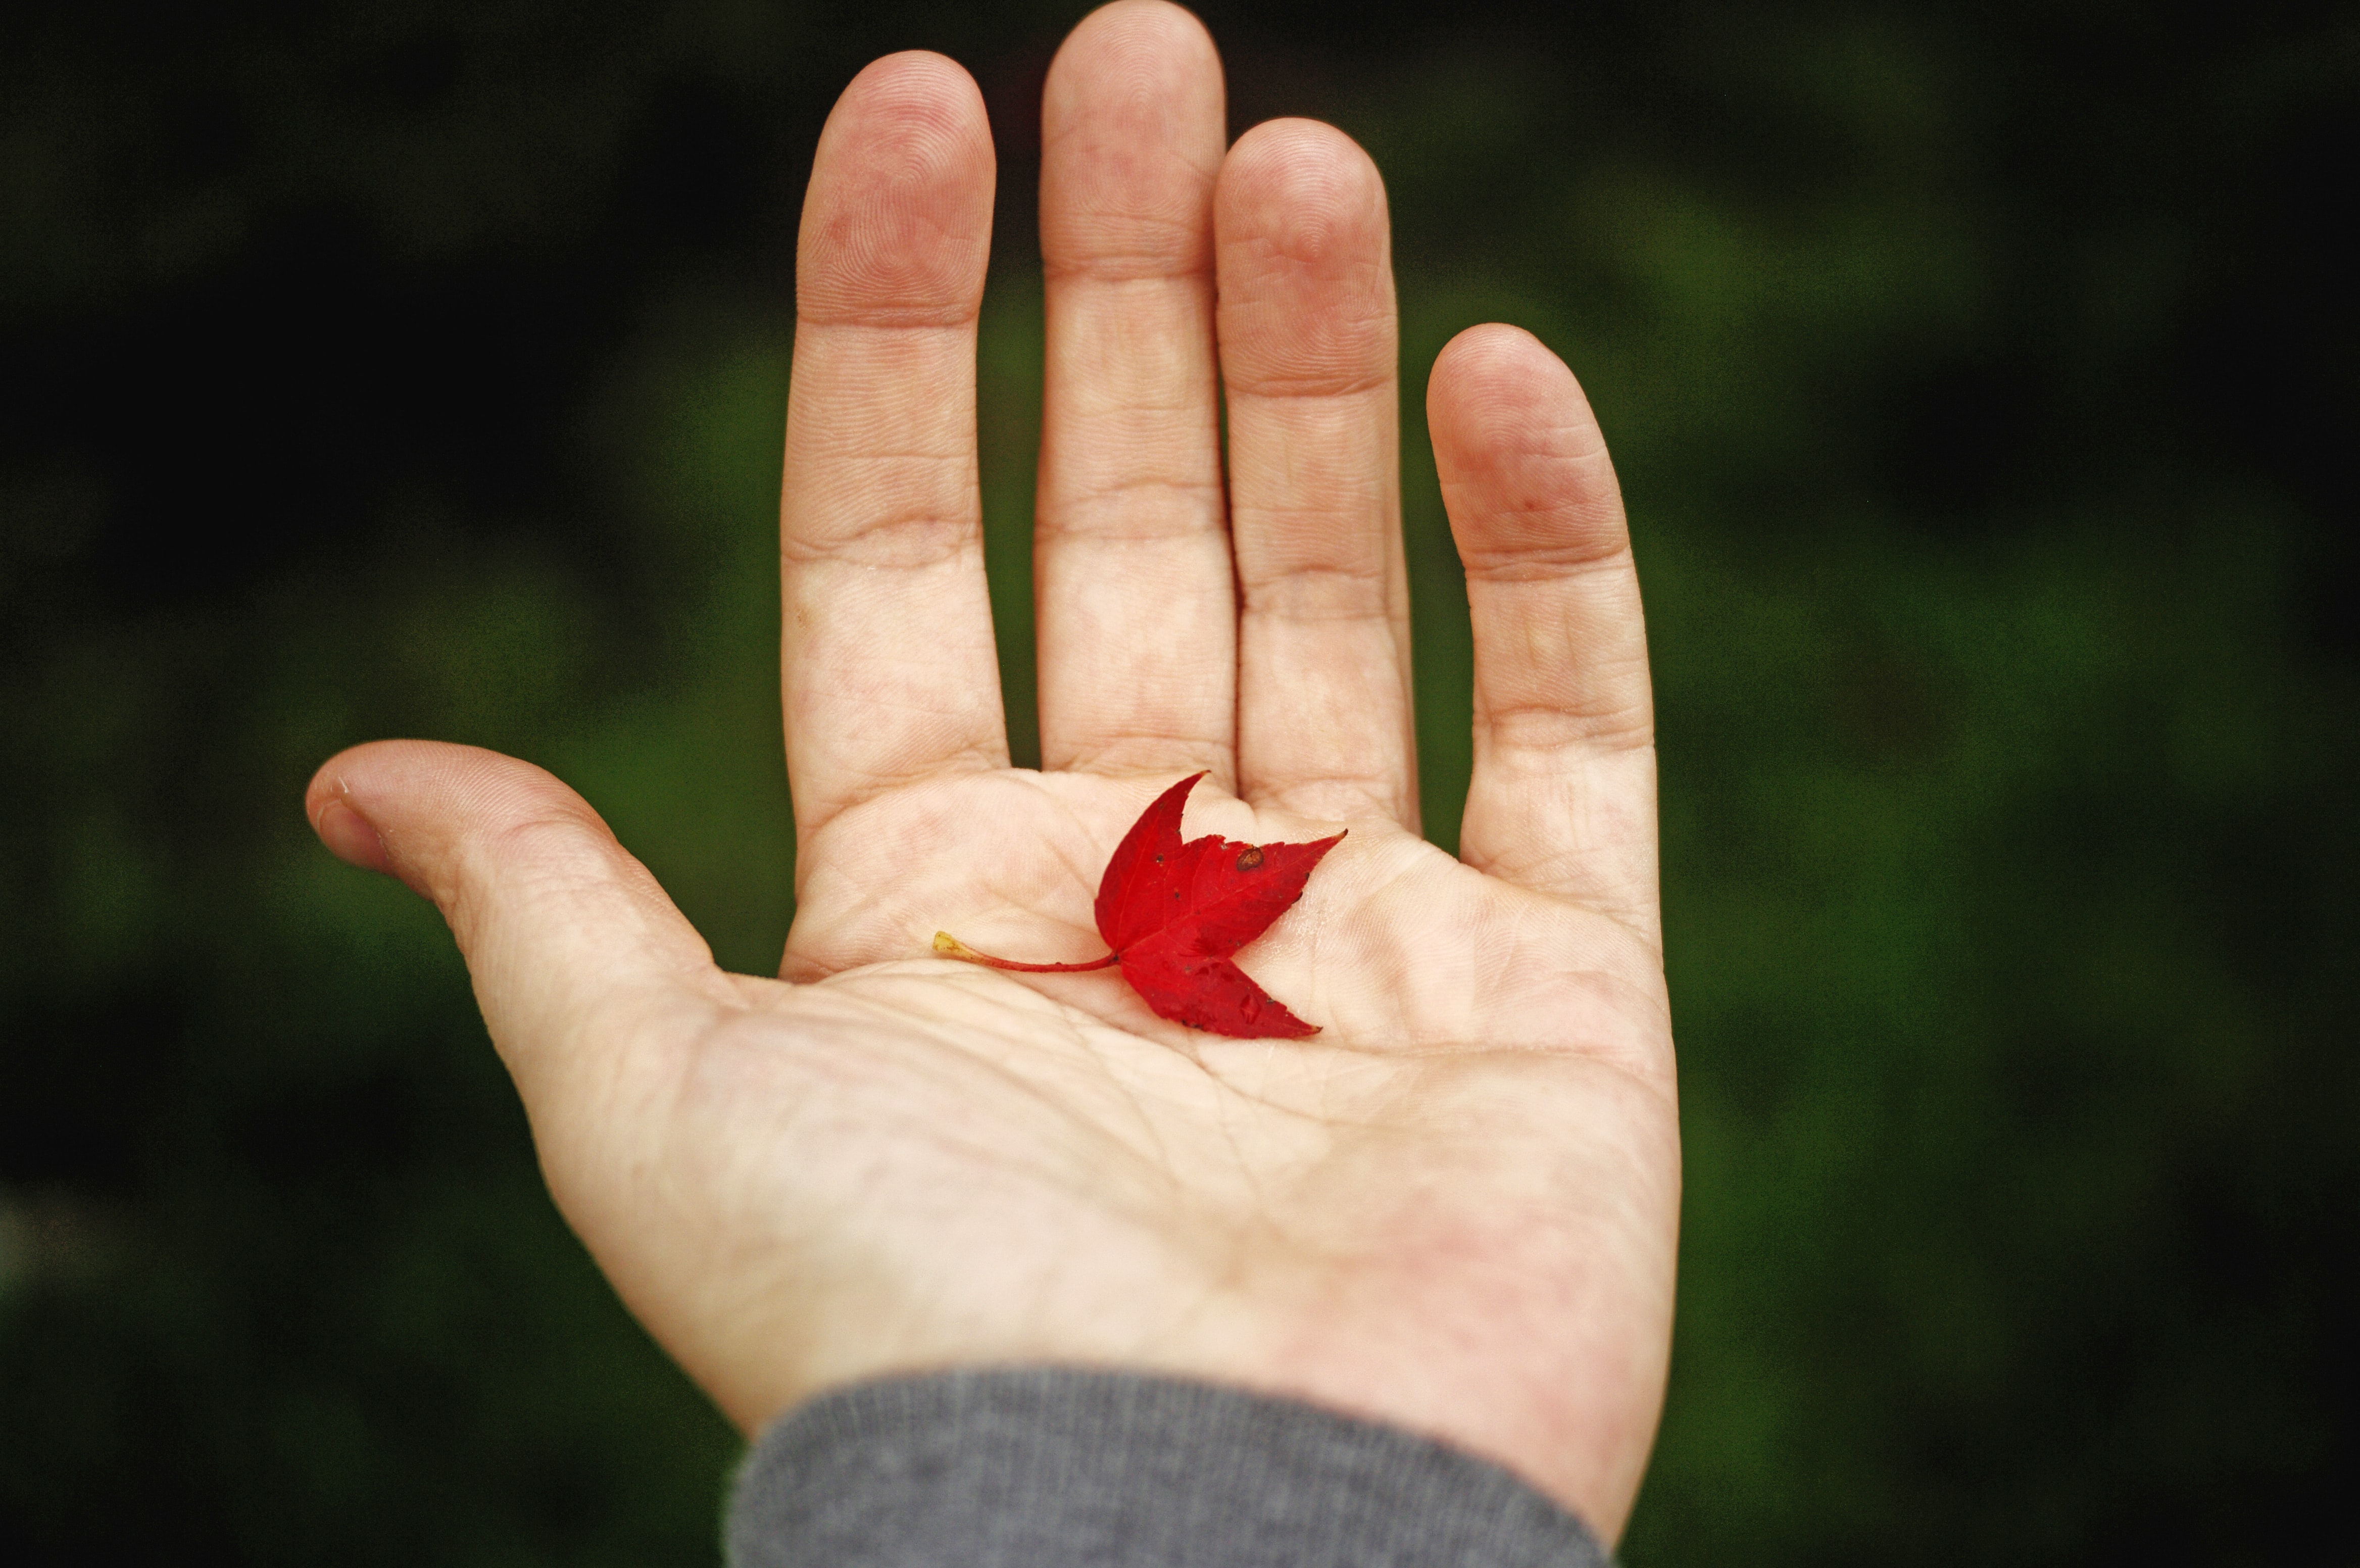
pixel 1454 1209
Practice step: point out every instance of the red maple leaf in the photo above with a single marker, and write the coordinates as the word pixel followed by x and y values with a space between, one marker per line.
pixel 1173 913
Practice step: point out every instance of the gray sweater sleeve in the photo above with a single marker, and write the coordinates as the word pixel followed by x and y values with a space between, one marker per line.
pixel 1043 1467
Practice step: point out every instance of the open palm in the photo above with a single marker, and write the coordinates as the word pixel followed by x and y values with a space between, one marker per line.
pixel 1454 1208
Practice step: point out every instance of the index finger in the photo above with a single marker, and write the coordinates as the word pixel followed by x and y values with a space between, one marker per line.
pixel 888 668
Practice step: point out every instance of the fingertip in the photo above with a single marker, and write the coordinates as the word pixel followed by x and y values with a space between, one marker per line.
pixel 1526 473
pixel 1304 188
pixel 1305 249
pixel 917 109
pixel 1133 124
pixel 1130 45
pixel 342 823
pixel 349 837
pixel 1492 354
pixel 917 91
pixel 897 221
pixel 1496 386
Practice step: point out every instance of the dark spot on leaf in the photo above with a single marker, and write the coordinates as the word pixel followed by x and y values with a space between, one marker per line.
pixel 1249 860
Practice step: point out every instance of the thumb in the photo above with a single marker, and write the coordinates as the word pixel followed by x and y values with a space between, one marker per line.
pixel 588 977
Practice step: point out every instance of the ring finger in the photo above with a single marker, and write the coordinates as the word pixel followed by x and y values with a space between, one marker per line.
pixel 1309 363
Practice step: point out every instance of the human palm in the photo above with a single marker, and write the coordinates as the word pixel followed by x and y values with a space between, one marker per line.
pixel 1454 1208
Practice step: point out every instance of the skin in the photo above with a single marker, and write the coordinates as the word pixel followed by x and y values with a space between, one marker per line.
pixel 1454 1209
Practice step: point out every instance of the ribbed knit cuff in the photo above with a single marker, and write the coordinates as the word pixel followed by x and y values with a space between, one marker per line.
pixel 1040 1467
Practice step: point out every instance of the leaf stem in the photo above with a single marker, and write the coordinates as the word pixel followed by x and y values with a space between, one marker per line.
pixel 950 947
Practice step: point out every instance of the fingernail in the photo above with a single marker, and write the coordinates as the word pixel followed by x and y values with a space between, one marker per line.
pixel 350 835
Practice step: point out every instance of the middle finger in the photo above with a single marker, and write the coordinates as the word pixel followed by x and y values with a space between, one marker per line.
pixel 1138 612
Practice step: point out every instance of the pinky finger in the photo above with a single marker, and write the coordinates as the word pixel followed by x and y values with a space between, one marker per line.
pixel 1563 796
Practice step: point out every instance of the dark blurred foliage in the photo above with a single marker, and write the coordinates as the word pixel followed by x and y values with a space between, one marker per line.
pixel 1979 376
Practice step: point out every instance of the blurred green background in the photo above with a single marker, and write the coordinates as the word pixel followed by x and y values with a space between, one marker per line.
pixel 1980 378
